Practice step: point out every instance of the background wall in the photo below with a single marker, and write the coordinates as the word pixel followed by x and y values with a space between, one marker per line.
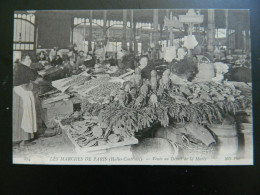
pixel 53 30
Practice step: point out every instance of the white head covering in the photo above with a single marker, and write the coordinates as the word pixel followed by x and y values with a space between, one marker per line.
pixel 27 61
pixel 120 54
pixel 143 62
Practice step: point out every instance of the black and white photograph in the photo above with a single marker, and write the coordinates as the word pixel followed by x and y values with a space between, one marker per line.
pixel 132 87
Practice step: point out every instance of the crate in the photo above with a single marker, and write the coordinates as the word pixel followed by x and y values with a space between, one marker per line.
pixel 56 109
pixel 68 140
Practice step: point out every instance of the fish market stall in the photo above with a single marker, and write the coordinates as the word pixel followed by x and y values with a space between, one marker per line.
pixel 173 86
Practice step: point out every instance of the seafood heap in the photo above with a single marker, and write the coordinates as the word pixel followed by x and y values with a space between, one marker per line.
pixel 87 133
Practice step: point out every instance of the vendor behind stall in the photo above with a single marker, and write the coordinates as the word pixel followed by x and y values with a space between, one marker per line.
pixel 80 59
pixel 57 61
pixel 24 102
pixel 68 68
pixel 89 60
pixel 183 66
pixel 53 54
pixel 62 67
pixel 120 54
pixel 42 56
pixel 23 73
pixel 73 52
pixel 146 67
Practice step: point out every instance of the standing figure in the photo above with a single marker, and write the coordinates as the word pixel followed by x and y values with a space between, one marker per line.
pixel 24 102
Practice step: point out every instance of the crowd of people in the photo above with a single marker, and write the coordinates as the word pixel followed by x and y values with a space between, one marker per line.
pixel 74 58
pixel 74 61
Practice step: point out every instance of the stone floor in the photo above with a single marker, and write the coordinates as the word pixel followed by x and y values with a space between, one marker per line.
pixel 44 147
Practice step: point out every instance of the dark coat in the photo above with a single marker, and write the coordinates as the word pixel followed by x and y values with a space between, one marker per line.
pixel 57 61
pixel 183 67
pixel 23 74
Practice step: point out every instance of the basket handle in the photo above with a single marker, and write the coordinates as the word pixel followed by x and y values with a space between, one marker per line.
pixel 184 138
pixel 205 58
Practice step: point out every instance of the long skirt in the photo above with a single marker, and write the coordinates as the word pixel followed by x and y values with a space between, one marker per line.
pixel 18 132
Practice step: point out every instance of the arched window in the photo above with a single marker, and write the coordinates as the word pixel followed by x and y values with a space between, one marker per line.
pixel 24 32
pixel 81 32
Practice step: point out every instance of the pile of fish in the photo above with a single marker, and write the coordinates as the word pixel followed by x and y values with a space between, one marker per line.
pixel 89 134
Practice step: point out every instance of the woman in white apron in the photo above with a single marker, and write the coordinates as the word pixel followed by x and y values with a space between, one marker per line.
pixel 24 103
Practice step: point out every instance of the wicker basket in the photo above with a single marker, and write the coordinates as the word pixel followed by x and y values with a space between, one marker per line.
pixel 206 70
pixel 195 148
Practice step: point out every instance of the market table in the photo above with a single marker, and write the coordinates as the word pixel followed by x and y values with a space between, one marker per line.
pixel 61 102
